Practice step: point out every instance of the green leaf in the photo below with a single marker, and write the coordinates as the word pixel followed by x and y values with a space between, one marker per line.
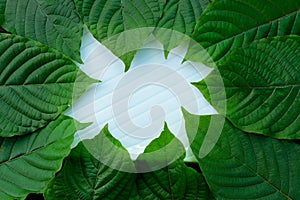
pixel 229 24
pixel 86 177
pixel 262 84
pixel 54 23
pixel 28 162
pixel 161 152
pixel 109 151
pixel 247 166
pixel 106 19
pixel 37 83
pixel 175 180
pixel 180 16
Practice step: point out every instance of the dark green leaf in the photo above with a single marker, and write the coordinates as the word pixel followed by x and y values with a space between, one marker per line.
pixel 37 83
pixel 110 18
pixel 27 163
pixel 54 23
pixel 84 177
pixel 229 24
pixel 175 180
pixel 180 16
pixel 247 166
pixel 262 84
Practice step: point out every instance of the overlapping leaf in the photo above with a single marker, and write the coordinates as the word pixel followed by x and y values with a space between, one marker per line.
pixel 230 24
pixel 262 88
pixel 54 23
pixel 247 166
pixel 181 16
pixel 36 85
pixel 110 18
pixel 27 163
pixel 84 177
pixel 107 19
pixel 175 180
pixel 262 84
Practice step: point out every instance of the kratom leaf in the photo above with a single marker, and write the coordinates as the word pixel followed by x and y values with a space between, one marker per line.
pixel 229 24
pixel 37 83
pixel 162 151
pixel 85 177
pixel 181 16
pixel 175 180
pixel 28 162
pixel 54 23
pixel 247 166
pixel 107 18
pixel 262 84
pixel 110 18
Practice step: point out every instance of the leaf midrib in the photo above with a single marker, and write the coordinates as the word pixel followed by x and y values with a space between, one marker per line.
pixel 32 151
pixel 260 87
pixel 54 25
pixel 42 84
pixel 253 171
pixel 253 28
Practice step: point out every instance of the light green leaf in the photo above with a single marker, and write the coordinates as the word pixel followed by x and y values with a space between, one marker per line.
pixel 85 177
pixel 28 162
pixel 110 18
pixel 54 23
pixel 248 166
pixel 262 84
pixel 229 24
pixel 161 152
pixel 109 151
pixel 37 83
pixel 181 16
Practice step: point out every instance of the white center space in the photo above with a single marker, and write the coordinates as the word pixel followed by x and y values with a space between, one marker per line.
pixel 100 103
